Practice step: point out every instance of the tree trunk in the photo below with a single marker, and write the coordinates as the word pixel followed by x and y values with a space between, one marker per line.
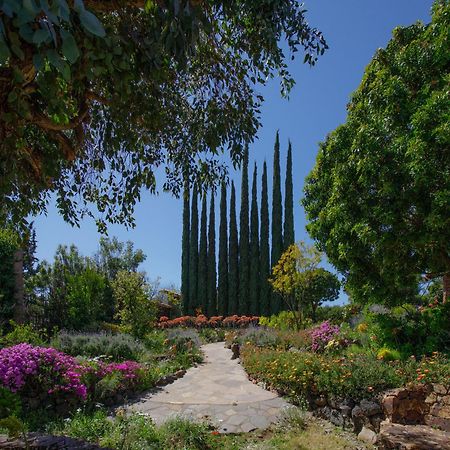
pixel 19 288
pixel 445 287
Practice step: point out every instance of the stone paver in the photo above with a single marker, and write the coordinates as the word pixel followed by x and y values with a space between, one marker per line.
pixel 218 391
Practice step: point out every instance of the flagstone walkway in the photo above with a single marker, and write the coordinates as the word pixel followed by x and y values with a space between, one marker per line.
pixel 217 390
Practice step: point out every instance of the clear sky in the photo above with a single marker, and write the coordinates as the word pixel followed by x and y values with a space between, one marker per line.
pixel 354 29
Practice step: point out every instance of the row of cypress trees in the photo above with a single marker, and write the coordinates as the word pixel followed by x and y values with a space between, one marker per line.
pixel 237 284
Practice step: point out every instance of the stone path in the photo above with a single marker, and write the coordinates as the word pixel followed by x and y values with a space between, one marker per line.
pixel 218 391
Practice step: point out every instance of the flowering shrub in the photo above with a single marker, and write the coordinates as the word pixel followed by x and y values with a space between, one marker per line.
pixel 27 368
pixel 201 321
pixel 322 335
pixel 302 374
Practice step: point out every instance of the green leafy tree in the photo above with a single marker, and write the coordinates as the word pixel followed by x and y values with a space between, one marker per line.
pixel 114 256
pixel 212 274
pixel 378 197
pixel 301 283
pixel 8 247
pixel 95 94
pixel 88 302
pixel 233 254
pixel 202 289
pixel 135 308
pixel 222 287
pixel 323 287
pixel 277 218
pixel 265 294
pixel 244 242
pixel 255 277
pixel 193 253
pixel 185 249
pixel 289 234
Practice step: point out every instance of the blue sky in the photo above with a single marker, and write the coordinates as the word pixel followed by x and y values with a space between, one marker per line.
pixel 354 30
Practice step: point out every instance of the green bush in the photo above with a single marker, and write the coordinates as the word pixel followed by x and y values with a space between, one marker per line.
pixel 260 337
pixel 283 321
pixel 209 335
pixel 10 404
pixel 20 334
pixel 135 432
pixel 412 329
pixel 117 347
pixel 183 339
pixel 302 374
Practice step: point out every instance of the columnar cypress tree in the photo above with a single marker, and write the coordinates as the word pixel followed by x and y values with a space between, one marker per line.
pixel 202 290
pixel 289 234
pixel 264 248
pixel 233 254
pixel 254 284
pixel 277 217
pixel 212 276
pixel 193 253
pixel 185 249
pixel 222 289
pixel 244 253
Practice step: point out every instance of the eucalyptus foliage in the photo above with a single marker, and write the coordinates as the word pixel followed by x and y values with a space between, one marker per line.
pixel 97 94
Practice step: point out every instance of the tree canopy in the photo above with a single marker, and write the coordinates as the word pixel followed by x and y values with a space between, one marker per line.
pixel 95 95
pixel 378 196
pixel 303 285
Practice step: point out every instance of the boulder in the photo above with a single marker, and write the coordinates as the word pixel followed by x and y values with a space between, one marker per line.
pixel 395 436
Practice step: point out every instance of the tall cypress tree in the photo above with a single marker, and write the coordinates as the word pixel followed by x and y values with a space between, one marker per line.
pixel 244 247
pixel 212 276
pixel 185 249
pixel 233 254
pixel 254 284
pixel 202 290
pixel 193 253
pixel 222 288
pixel 277 217
pixel 289 234
pixel 264 248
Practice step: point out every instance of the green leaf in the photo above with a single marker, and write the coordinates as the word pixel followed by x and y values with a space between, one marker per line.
pixel 78 6
pixel 69 47
pixel 4 52
pixel 91 23
pixel 31 7
pixel 40 36
pixel 38 61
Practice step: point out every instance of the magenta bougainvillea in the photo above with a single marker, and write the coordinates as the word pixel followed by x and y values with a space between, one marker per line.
pixel 322 334
pixel 29 370
pixel 23 364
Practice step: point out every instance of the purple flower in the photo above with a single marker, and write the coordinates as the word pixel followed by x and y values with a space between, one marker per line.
pixel 323 334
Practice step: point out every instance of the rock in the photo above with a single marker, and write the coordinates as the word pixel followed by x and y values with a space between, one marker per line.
pixel 42 441
pixel 411 437
pixel 370 408
pixel 180 373
pixel 439 389
pixel 375 421
pixel 359 419
pixel 235 348
pixel 336 418
pixel 320 401
pixel 438 422
pixel 367 435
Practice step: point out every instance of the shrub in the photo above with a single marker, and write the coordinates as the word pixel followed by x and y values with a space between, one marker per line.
pixel 135 432
pixel 21 334
pixel 322 335
pixel 260 337
pixel 283 321
pixel 413 330
pixel 302 375
pixel 183 339
pixel 208 335
pixel 117 347
pixel 43 373
pixel 387 354
pixel 201 321
pixel 10 404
